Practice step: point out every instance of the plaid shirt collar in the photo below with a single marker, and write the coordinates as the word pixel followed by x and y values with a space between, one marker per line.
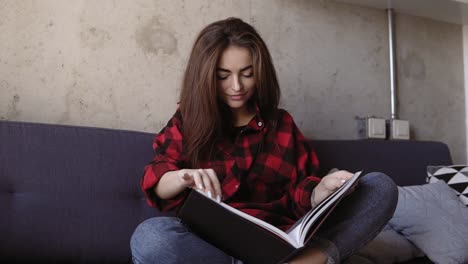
pixel 256 123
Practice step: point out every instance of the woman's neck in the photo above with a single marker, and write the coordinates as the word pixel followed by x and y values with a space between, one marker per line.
pixel 242 117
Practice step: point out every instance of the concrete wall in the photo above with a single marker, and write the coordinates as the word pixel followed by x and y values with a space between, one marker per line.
pixel 431 81
pixel 465 67
pixel 118 64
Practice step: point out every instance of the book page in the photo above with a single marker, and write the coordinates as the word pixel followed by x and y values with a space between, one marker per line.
pixel 299 231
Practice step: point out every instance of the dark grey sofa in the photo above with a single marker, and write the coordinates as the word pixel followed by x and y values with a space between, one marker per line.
pixel 71 194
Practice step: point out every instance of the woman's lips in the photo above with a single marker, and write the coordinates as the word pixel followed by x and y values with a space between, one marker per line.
pixel 237 97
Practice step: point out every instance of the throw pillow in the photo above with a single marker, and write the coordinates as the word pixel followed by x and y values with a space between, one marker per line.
pixel 455 176
pixel 434 219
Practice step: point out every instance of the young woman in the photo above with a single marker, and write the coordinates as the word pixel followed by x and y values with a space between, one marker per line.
pixel 229 139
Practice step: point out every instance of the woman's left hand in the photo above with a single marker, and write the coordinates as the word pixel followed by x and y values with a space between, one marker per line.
pixel 329 184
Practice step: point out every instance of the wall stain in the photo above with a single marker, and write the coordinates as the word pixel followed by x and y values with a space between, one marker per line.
pixel 68 98
pixel 157 126
pixel 413 66
pixel 153 38
pixel 86 103
pixel 148 117
pixel 333 78
pixel 12 111
pixel 94 38
pixel 4 86
pixel 151 123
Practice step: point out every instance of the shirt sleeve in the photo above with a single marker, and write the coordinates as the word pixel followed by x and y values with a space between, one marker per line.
pixel 306 169
pixel 167 147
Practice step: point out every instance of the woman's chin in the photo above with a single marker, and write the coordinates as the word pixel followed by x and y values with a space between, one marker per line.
pixel 237 105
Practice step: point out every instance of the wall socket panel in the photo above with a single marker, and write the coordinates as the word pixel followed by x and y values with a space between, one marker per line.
pixel 371 127
pixel 399 129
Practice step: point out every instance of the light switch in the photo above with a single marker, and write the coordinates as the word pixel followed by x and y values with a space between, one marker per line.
pixel 376 128
pixel 400 129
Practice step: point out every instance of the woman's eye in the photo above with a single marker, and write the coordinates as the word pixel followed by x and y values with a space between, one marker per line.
pixel 222 77
pixel 248 75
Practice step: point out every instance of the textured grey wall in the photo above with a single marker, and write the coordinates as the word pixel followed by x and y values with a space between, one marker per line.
pixel 431 80
pixel 118 64
pixel 332 60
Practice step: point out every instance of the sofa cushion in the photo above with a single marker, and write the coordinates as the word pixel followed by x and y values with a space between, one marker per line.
pixel 432 217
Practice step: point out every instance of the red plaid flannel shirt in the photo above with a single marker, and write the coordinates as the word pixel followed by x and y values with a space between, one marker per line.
pixel 272 180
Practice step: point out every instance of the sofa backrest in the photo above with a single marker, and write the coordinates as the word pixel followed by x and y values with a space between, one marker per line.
pixel 404 161
pixel 71 194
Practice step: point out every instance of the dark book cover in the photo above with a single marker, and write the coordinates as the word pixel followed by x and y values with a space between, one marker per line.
pixel 249 241
pixel 232 233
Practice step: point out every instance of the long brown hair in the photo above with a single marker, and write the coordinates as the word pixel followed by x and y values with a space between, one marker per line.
pixel 205 118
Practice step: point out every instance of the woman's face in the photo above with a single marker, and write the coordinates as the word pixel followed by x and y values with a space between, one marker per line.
pixel 234 75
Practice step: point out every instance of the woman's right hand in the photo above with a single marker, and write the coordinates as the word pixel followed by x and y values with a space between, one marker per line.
pixel 328 185
pixel 204 180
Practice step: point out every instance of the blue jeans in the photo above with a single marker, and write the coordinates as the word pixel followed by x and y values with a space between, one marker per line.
pixel 354 222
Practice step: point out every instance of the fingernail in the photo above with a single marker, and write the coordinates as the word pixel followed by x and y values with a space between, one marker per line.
pixel 209 194
pixel 343 181
pixel 200 186
pixel 218 198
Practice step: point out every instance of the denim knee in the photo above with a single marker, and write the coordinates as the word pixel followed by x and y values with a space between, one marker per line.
pixel 154 238
pixel 384 188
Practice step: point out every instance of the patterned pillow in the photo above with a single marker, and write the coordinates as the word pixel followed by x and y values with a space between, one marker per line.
pixel 455 176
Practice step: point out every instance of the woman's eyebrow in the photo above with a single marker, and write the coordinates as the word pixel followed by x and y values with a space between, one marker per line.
pixel 246 68
pixel 223 70
pixel 226 70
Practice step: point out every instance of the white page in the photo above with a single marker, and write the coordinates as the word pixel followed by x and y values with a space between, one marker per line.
pixel 300 231
pixel 334 196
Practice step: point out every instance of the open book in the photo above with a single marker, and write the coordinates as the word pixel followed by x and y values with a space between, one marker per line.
pixel 248 238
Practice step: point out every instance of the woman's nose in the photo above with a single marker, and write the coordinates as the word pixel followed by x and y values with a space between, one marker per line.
pixel 236 84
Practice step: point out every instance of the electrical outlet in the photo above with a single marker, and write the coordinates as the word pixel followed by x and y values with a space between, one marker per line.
pixel 371 127
pixel 399 129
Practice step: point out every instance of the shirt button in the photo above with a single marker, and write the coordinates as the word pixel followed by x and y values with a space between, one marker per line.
pixel 260 124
